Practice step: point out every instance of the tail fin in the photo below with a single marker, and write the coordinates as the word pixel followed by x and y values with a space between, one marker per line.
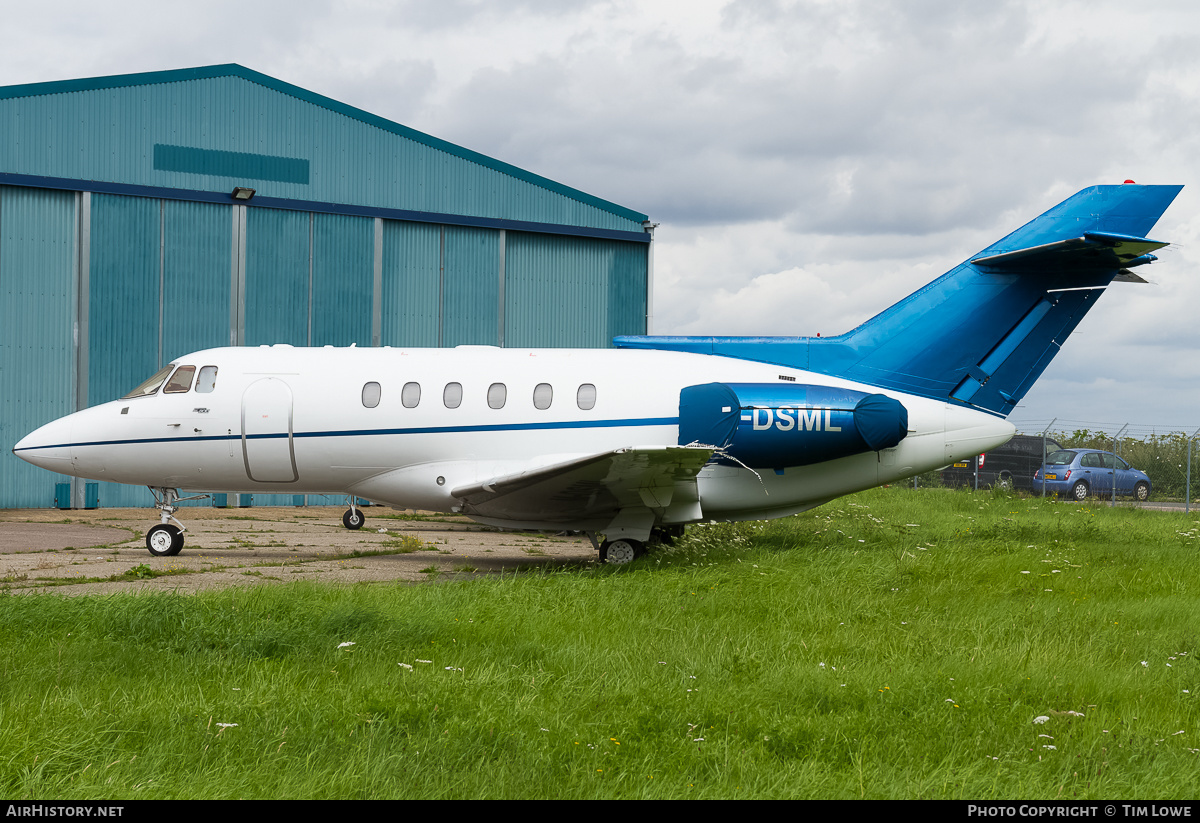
pixel 982 333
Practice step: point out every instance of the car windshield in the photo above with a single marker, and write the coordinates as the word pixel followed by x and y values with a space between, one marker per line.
pixel 151 385
pixel 1060 458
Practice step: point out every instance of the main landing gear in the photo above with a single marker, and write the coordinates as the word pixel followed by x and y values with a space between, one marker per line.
pixel 166 539
pixel 624 550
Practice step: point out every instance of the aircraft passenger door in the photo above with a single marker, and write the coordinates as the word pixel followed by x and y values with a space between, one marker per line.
pixel 267 432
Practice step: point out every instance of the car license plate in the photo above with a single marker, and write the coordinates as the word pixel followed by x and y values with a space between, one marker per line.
pixel 1052 477
pixel 962 465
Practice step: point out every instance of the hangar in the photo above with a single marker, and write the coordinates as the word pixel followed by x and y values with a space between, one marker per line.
pixel 144 216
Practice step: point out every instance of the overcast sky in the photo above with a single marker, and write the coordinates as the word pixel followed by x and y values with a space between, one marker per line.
pixel 809 162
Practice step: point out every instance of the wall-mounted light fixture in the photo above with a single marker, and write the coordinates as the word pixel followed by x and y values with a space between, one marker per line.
pixel 242 193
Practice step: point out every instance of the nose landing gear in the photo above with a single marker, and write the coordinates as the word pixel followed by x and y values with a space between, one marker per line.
pixel 353 519
pixel 166 539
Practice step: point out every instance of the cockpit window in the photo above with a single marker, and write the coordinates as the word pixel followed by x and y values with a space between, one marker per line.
pixel 207 379
pixel 180 381
pixel 151 386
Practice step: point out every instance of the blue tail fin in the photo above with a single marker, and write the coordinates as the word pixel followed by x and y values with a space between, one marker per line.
pixel 982 333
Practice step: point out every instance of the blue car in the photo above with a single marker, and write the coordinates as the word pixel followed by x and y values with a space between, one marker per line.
pixel 1076 473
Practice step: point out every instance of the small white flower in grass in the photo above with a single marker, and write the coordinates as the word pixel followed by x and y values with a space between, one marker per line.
pixel 453 669
pixel 1040 719
pixel 1047 736
pixel 424 661
pixel 226 725
pixel 344 645
pixel 405 665
pixel 1024 572
pixel 1178 732
pixel 822 665
pixel 1048 746
pixel 1144 663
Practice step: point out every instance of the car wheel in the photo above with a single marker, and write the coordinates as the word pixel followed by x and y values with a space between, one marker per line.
pixel 1142 491
pixel 1080 491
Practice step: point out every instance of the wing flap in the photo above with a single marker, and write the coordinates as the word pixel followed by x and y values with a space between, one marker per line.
pixel 591 488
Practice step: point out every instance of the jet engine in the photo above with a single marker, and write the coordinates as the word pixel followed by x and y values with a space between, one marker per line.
pixel 772 426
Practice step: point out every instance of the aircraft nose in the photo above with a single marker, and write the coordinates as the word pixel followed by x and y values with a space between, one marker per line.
pixel 48 447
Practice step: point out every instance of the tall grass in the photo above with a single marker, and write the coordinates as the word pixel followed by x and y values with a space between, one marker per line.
pixel 892 644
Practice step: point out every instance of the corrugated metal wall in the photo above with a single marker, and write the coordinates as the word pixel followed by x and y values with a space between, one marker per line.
pixel 37 313
pixel 342 280
pixel 278 277
pixel 412 259
pixel 604 296
pixel 471 287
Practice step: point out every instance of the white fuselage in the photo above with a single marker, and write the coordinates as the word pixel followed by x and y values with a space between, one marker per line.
pixel 283 419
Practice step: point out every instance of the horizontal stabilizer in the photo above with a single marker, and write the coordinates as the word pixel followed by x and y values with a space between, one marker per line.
pixel 1092 251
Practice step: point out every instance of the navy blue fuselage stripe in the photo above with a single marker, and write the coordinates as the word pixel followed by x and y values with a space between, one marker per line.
pixel 563 424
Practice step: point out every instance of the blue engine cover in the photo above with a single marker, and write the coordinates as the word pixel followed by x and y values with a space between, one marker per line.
pixel 772 426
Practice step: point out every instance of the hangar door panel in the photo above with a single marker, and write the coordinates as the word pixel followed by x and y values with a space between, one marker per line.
pixel 267 432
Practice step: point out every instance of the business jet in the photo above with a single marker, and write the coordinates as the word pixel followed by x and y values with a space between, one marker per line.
pixel 631 443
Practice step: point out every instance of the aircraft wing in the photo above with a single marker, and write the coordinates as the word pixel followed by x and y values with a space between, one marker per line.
pixel 592 488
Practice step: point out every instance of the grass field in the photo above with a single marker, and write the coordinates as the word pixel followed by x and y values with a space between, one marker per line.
pixel 894 644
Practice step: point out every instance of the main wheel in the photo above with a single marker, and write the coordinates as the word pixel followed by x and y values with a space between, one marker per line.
pixel 164 540
pixel 620 552
pixel 1080 491
pixel 1142 491
pixel 353 519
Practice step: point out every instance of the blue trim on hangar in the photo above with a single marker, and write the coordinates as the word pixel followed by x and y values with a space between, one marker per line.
pixel 289 204
pixel 230 164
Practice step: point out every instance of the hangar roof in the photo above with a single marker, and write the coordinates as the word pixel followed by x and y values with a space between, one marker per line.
pixel 195 133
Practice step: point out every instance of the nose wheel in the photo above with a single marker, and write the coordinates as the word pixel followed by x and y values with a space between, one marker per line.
pixel 353 519
pixel 165 540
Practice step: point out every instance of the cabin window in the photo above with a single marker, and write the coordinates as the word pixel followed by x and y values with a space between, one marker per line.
pixel 452 395
pixel 180 381
pixel 585 398
pixel 497 394
pixel 543 396
pixel 370 395
pixel 206 380
pixel 151 385
pixel 410 395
